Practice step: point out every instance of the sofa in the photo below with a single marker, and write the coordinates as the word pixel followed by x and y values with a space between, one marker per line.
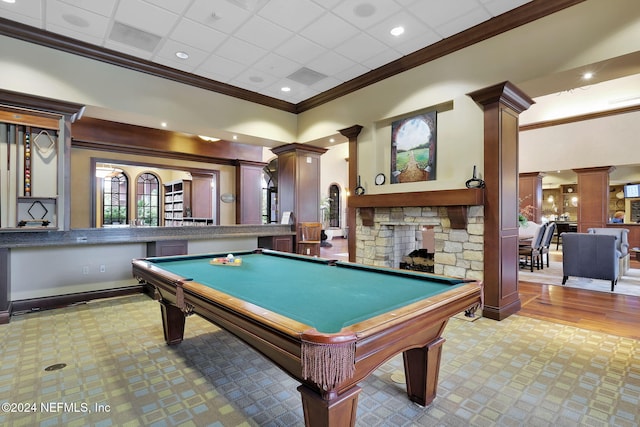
pixel 590 255
pixel 622 244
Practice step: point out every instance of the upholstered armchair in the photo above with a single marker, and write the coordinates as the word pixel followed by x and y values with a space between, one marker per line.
pixel 590 255
pixel 622 244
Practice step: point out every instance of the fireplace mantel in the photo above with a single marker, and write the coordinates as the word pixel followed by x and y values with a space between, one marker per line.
pixel 455 201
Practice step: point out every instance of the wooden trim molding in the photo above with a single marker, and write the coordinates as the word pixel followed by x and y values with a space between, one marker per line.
pixel 47 106
pixel 522 15
pixel 580 118
pixel 462 197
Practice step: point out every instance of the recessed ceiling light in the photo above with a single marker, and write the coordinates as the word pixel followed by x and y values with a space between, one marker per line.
pixel 332 140
pixel 235 137
pixel 163 124
pixel 286 89
pixel 208 138
pixel 182 55
pixel 588 75
pixel 9 1
pixel 396 31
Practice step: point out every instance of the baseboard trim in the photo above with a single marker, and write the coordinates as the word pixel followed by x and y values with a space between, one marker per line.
pixel 58 301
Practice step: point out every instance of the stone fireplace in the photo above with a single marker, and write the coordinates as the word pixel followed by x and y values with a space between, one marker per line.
pixel 392 233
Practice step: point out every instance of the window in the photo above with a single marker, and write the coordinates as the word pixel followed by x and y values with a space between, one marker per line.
pixel 114 199
pixel 147 199
pixel 334 206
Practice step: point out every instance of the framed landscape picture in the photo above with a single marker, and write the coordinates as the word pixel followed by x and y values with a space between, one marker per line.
pixel 413 148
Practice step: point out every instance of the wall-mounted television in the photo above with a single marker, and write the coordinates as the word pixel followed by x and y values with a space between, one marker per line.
pixel 632 191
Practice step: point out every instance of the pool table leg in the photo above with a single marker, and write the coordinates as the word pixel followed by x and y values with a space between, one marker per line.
pixel 421 368
pixel 339 411
pixel 172 323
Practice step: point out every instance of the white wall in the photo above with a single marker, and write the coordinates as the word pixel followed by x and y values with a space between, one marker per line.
pixel 606 141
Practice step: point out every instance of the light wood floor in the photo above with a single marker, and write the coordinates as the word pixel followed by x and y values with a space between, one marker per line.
pixel 597 311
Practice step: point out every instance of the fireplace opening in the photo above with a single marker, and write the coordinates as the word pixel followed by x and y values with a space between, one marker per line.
pixel 418 260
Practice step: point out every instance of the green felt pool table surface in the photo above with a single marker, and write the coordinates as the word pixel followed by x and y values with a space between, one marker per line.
pixel 325 295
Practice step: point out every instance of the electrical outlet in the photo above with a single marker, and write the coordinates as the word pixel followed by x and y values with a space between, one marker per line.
pixel 103 268
pixel 85 269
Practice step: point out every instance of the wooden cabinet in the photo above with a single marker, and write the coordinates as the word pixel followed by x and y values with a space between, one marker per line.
pixel 167 248
pixel 568 210
pixel 276 243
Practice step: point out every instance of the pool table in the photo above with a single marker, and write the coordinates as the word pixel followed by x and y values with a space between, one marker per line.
pixel 328 324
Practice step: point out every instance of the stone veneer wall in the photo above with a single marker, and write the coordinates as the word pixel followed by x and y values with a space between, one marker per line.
pixel 458 253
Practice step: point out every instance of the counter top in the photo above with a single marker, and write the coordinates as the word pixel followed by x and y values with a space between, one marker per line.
pixel 41 236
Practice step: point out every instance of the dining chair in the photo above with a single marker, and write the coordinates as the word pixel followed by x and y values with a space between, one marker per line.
pixel 531 252
pixel 546 241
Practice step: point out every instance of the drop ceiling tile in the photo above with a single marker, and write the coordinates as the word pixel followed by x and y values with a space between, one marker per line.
pixel 461 23
pixel 197 35
pixel 300 49
pixel 101 7
pixel 168 62
pixel 260 32
pixel 129 50
pixel 175 6
pixel 498 7
pixel 170 47
pixel 364 14
pixel 381 59
pixel 77 21
pixel 328 4
pixel 220 15
pixel 413 27
pixel 276 65
pixel 254 80
pixel 361 47
pixel 351 73
pixel 294 15
pixel 329 31
pixel 26 12
pixel 240 51
pixel 407 46
pixel 218 66
pixel 330 63
pixel 97 41
pixel 437 13
pixel 326 84
pixel 146 17
pixel 298 91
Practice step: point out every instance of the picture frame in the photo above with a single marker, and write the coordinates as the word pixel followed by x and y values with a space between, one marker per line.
pixel 413 148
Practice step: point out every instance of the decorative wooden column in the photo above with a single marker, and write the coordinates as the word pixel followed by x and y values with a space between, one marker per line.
pixel 352 133
pixel 502 105
pixel 299 182
pixel 593 197
pixel 530 194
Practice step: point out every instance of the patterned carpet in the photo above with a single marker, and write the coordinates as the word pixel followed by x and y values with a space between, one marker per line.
pixel 119 372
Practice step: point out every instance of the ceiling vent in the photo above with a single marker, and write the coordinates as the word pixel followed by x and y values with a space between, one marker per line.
pixel 306 76
pixel 134 37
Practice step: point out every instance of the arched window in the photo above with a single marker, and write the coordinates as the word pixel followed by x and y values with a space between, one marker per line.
pixel 115 199
pixel 334 206
pixel 147 199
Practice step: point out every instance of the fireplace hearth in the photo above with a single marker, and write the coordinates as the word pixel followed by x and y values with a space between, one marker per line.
pixel 418 260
